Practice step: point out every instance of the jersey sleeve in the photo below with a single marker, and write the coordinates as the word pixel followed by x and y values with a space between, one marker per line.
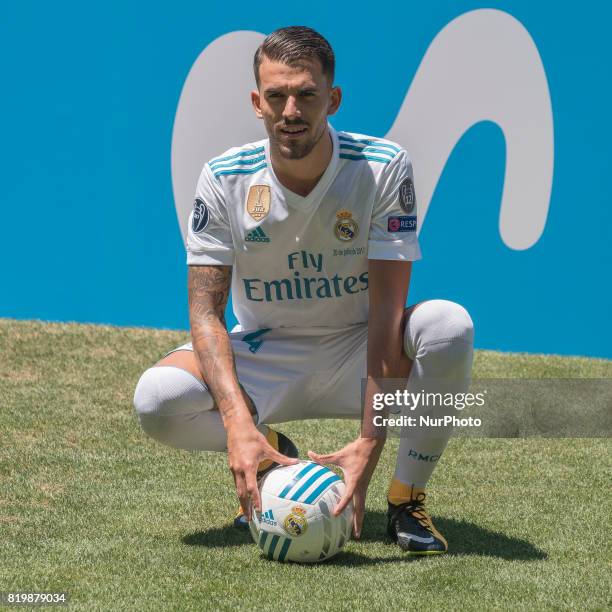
pixel 393 228
pixel 209 237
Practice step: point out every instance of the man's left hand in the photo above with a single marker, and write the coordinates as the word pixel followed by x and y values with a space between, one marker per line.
pixel 357 461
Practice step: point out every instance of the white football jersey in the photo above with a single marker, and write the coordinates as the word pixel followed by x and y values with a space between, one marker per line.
pixel 303 261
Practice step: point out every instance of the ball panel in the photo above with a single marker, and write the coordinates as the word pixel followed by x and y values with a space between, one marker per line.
pixel 303 482
pixel 274 546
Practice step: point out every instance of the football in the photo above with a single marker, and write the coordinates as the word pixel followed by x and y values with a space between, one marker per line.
pixel 296 521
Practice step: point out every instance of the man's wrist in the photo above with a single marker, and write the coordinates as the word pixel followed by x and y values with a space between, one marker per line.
pixel 233 408
pixel 374 441
pixel 239 423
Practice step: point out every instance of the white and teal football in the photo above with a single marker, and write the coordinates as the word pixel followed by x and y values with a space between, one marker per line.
pixel 296 521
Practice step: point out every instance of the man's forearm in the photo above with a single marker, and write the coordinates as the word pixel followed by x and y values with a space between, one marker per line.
pixel 385 353
pixel 209 288
pixel 389 282
pixel 385 360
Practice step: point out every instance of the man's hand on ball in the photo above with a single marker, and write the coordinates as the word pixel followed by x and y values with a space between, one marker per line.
pixel 246 449
pixel 358 461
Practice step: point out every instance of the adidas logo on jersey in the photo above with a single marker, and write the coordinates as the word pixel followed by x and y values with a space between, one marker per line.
pixel 268 518
pixel 256 235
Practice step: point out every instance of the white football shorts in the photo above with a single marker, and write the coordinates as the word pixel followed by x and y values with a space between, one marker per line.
pixel 301 373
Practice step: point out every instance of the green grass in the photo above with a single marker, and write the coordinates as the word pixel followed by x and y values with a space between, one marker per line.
pixel 91 506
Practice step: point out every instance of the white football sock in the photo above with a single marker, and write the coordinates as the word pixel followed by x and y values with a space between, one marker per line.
pixel 439 338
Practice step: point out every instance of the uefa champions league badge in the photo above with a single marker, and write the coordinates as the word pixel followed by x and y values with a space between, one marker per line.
pixel 199 221
pixel 407 197
pixel 345 228
pixel 402 224
pixel 295 523
pixel 258 202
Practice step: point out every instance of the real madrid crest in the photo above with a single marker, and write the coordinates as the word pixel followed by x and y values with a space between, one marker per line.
pixel 258 202
pixel 295 523
pixel 345 228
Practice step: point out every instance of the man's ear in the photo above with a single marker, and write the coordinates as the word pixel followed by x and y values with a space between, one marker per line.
pixel 256 102
pixel 334 101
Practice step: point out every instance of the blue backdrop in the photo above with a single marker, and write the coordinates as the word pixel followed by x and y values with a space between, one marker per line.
pixel 89 230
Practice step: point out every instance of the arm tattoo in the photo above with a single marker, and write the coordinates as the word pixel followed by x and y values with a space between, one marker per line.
pixel 209 288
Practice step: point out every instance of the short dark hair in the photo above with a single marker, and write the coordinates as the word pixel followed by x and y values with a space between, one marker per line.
pixel 293 43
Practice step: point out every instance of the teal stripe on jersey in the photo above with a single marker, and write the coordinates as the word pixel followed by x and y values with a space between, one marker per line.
pixel 239 162
pixel 315 476
pixel 240 171
pixel 368 141
pixel 297 478
pixel 313 496
pixel 284 550
pixel 382 160
pixel 263 536
pixel 215 161
pixel 273 544
pixel 367 150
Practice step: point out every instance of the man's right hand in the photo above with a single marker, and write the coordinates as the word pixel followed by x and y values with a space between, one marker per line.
pixel 246 449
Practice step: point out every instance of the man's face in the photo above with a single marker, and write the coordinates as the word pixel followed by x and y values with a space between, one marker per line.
pixel 294 101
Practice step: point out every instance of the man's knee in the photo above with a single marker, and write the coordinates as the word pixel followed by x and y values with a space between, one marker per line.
pixel 167 400
pixel 167 391
pixel 440 327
